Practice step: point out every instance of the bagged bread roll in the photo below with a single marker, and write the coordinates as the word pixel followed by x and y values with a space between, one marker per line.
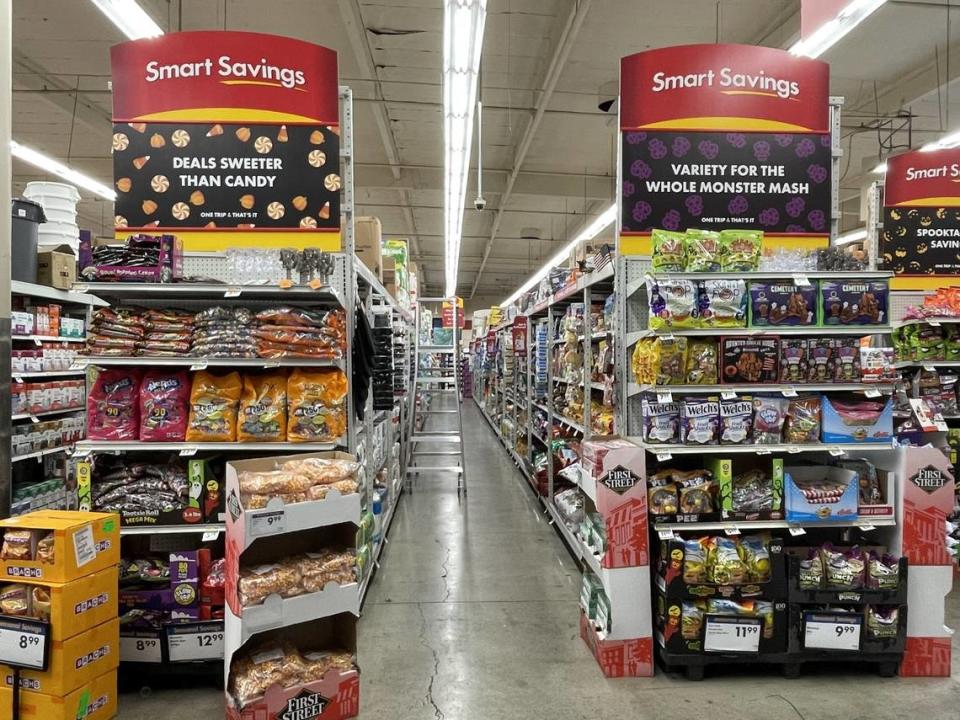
pixel 256 583
pixel 274 482
pixel 316 664
pixel 323 471
pixel 251 675
pixel 344 487
pixel 318 569
pixel 16 545
pixel 45 549
pixel 40 602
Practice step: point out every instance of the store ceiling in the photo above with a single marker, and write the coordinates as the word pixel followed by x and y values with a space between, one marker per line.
pixel 390 55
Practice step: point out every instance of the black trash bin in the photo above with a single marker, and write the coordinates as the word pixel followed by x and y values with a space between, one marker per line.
pixel 27 216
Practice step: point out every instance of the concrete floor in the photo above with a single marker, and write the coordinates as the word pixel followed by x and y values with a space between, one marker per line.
pixel 473 614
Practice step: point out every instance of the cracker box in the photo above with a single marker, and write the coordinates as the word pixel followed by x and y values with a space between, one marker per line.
pixel 777 304
pixel 94 700
pixel 854 302
pixel 82 543
pixel 749 359
pixel 840 427
pixel 821 494
pixel 74 661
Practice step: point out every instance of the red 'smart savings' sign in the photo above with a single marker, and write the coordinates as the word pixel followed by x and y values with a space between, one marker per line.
pixel 724 136
pixel 920 241
pixel 227 139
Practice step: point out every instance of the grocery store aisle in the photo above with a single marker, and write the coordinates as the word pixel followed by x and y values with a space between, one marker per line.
pixel 473 614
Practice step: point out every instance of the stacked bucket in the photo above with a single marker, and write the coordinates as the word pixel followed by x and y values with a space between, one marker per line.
pixel 59 203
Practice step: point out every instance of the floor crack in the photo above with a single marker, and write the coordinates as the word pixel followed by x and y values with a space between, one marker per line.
pixel 437 712
pixel 800 714
pixel 445 570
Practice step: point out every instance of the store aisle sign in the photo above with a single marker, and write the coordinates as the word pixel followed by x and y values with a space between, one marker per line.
pixel 724 137
pixel 519 331
pixel 227 139
pixel 447 313
pixel 920 241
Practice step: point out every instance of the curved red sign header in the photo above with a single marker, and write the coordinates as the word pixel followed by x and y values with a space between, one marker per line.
pixel 221 76
pixel 923 179
pixel 738 88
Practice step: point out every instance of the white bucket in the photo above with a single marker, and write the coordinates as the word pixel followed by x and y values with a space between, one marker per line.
pixel 60 216
pixel 55 230
pixel 40 191
pixel 51 203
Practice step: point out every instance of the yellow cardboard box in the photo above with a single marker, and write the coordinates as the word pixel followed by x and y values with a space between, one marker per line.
pixel 83 543
pixel 96 700
pixel 73 662
pixel 367 239
pixel 77 606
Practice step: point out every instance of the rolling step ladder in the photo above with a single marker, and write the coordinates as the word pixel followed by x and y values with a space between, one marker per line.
pixel 436 432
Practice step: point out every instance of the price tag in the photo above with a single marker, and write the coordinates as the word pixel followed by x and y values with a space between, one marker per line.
pixel 732 530
pixel 232 292
pixel 837 452
pixel 18 378
pixel 794 449
pixel 930 368
pixel 789 392
pixel 832 632
pixel 286 283
pixel 315 284
pixel 81 287
pixel 37 341
pixel 202 641
pixel 728 395
pixel 664 397
pixel 188 451
pixel 271 522
pixel 34 418
pixel 732 634
pixel 23 643
pixel 933 323
pixel 664 456
pixel 210 536
pixel 666 534
pixel 867 528
pixel 199 365
pixel 799 279
pixel 762 451
pixel 140 649
pixel 872 393
pixel 797 531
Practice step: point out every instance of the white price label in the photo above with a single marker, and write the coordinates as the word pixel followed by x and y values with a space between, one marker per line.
pixel 188 451
pixel 930 368
pixel 84 548
pixel 732 530
pixel 37 341
pixel 732 634
pixel 832 632
pixel 198 645
pixel 762 451
pixel 268 523
pixel 797 531
pixel 793 449
pixel 210 536
pixel 199 366
pixel 867 528
pixel 664 456
pixel 18 378
pixel 789 392
pixel 140 649
pixel 933 323
pixel 666 534
pixel 664 397
pixel 23 643
pixel 801 280
pixel 231 292
pixel 728 395
pixel 34 418
pixel 837 452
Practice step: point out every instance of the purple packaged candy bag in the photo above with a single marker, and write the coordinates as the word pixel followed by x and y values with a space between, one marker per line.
pixel 661 422
pixel 700 421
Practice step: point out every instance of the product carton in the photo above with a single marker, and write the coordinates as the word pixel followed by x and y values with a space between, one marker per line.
pixel 367 240
pixel 73 662
pixel 76 606
pixel 169 267
pixel 94 700
pixel 836 429
pixel 83 543
pixel 800 508
pixel 57 267
pixel 724 474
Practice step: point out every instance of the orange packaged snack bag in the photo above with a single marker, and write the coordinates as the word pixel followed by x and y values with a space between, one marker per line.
pixel 317 407
pixel 213 407
pixel 263 408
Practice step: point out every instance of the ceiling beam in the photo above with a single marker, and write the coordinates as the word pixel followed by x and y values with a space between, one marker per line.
pixel 88 113
pixel 357 34
pixel 578 14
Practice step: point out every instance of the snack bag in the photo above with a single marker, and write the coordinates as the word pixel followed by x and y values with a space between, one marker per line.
pixel 723 303
pixel 164 405
pixel 113 405
pixel 769 414
pixel 756 556
pixel 316 402
pixel 213 407
pixel 843 570
pixel 662 493
pixel 752 491
pixel 672 369
pixel 883 572
pixel 725 566
pixel 803 420
pixel 883 622
pixel 695 561
pixel 740 249
pixel 669 251
pixel 263 408
pixel 702 251
pixel 691 621
pixel 646 360
pixel 699 421
pixel 811 571
pixel 736 421
pixel 702 362
pixel 673 304
pixel 696 489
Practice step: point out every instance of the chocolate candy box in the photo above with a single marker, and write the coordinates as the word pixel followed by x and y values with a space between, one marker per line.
pixel 854 302
pixel 749 359
pixel 773 303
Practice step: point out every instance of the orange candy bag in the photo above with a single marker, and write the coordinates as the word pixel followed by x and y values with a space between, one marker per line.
pixel 213 407
pixel 263 408
pixel 317 407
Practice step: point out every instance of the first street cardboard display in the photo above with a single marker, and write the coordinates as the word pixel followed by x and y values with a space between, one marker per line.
pixel 227 139
pixel 724 137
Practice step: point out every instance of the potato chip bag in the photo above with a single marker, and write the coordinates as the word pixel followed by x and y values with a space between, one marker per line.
pixel 213 407
pixel 263 408
pixel 317 407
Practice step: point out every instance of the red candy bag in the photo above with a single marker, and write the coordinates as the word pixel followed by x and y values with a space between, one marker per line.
pixel 112 405
pixel 164 405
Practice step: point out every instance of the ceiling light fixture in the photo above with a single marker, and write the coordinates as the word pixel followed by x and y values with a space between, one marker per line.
pixel 463 22
pixel 947 141
pixel 831 32
pixel 880 169
pixel 130 18
pixel 38 159
pixel 601 223
pixel 852 236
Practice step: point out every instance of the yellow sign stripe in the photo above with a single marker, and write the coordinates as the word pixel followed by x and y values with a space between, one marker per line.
pixel 640 244
pixel 214 241
pixel 950 202
pixel 725 124
pixel 265 83
pixel 228 115
pixel 922 282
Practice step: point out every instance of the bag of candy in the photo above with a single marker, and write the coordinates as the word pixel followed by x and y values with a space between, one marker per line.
pixel 740 249
pixel 724 303
pixel 811 571
pixel 725 565
pixel 702 356
pixel 263 408
pixel 669 251
pixel 803 420
pixel 691 621
pixel 662 494
pixel 843 570
pixel 213 407
pixel 673 304
pixel 756 557
pixel 703 251
pixel 317 408
pixel 695 561
pixel 883 622
pixel 769 414
pixel 672 368
pixel 696 491
pixel 883 572
pixel 164 405
pixel 113 405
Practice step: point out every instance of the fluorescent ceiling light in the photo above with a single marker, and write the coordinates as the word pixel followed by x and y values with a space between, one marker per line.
pixel 831 32
pixel 603 221
pixel 880 169
pixel 947 141
pixel 130 18
pixel 44 162
pixel 852 236
pixel 463 22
